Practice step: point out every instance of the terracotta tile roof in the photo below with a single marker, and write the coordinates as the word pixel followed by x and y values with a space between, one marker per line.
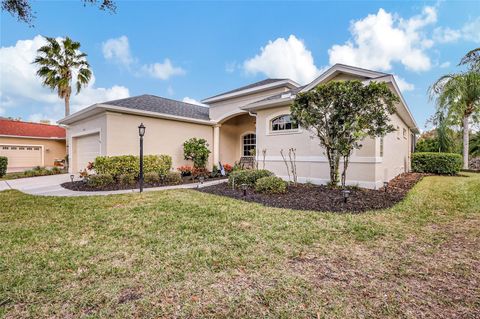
pixel 19 128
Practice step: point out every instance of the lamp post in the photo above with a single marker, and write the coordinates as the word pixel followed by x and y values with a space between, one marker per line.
pixel 141 133
pixel 385 186
pixel 345 193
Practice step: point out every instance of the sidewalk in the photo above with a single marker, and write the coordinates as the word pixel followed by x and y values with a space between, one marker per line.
pixel 50 186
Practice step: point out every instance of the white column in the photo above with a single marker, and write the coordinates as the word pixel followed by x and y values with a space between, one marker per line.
pixel 216 144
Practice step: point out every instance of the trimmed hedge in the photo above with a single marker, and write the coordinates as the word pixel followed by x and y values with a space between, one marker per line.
pixel 3 165
pixel 247 176
pixel 129 164
pixel 271 185
pixel 100 180
pixel 173 178
pixel 436 163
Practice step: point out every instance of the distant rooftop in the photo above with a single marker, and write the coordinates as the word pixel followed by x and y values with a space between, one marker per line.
pixel 30 129
pixel 162 105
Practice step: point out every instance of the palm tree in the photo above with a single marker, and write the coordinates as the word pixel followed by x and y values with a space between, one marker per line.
pixel 458 96
pixel 472 59
pixel 59 62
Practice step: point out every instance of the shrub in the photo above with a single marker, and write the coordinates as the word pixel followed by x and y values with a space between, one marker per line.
pixel 56 170
pixel 271 185
pixel 3 165
pixel 129 164
pixel 126 179
pixel 196 150
pixel 151 178
pixel 437 163
pixel 173 178
pixel 228 168
pixel 100 180
pixel 247 176
pixel 185 170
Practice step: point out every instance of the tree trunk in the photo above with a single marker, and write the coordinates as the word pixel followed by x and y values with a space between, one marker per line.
pixel 465 142
pixel 333 161
pixel 344 173
pixel 67 104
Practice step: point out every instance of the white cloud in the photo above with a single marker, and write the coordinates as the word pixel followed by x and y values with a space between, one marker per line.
pixel 445 35
pixel 445 64
pixel 284 58
pixel 118 50
pixel 381 39
pixel 230 67
pixel 163 71
pixel 170 90
pixel 403 85
pixel 471 30
pixel 20 87
pixel 192 101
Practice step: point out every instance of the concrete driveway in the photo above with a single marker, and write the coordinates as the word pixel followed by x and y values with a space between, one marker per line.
pixel 50 186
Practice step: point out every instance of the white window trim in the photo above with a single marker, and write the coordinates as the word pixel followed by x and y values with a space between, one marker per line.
pixel 268 126
pixel 241 143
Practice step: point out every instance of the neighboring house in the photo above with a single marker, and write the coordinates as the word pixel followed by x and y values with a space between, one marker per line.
pixel 235 123
pixel 29 144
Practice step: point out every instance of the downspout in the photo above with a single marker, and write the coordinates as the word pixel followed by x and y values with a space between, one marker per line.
pixel 255 116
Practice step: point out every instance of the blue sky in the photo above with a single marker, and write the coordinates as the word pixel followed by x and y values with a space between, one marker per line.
pixel 197 49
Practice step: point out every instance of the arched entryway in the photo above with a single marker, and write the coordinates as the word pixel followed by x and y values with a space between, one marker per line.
pixel 236 138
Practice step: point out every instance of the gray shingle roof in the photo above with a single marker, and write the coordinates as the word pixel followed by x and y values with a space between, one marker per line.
pixel 249 86
pixel 162 105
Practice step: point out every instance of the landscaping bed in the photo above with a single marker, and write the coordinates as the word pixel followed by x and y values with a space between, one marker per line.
pixel 83 186
pixel 323 198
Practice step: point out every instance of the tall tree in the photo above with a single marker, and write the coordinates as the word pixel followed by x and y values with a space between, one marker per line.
pixel 59 63
pixel 458 96
pixel 444 134
pixel 342 114
pixel 22 9
pixel 472 59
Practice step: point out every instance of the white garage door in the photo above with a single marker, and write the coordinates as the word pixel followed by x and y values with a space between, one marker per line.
pixel 22 156
pixel 88 147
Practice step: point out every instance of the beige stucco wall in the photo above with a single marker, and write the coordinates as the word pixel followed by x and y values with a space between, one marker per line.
pixel 162 136
pixel 219 110
pixel 312 164
pixel 52 149
pixel 396 152
pixel 231 133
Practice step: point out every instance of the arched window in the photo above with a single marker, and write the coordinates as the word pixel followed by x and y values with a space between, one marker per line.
pixel 249 142
pixel 283 123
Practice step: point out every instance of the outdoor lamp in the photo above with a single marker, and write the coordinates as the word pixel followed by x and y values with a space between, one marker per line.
pixel 244 189
pixel 385 185
pixel 345 193
pixel 71 177
pixel 201 179
pixel 141 130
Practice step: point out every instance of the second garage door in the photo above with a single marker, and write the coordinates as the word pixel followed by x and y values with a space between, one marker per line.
pixel 22 156
pixel 87 149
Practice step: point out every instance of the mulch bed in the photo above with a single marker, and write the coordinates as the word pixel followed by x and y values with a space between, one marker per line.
pixel 82 186
pixel 323 198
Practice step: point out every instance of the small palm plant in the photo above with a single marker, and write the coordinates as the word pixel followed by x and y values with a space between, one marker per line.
pixel 59 63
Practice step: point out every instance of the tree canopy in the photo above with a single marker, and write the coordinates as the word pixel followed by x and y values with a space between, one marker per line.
pixel 22 9
pixel 342 114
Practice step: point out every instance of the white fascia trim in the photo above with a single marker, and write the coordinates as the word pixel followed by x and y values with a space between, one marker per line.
pixel 324 159
pixel 106 107
pixel 269 103
pixel 35 137
pixel 250 90
pixel 342 68
pixel 322 181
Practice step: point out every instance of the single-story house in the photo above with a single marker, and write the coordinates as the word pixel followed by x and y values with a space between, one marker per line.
pixel 253 117
pixel 28 144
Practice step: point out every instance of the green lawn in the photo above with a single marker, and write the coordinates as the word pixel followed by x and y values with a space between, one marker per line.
pixel 184 253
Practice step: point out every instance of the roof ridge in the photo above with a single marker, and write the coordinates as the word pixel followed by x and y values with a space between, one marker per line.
pixel 27 122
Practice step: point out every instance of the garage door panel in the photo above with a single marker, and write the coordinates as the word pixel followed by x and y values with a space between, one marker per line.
pixel 20 156
pixel 88 148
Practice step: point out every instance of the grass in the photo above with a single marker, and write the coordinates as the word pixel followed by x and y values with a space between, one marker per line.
pixel 183 253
